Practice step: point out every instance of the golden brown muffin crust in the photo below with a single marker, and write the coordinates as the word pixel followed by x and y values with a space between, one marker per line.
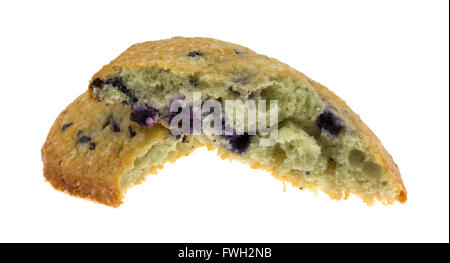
pixel 90 146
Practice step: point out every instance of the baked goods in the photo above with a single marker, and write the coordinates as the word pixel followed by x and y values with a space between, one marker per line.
pixel 126 126
pixel 321 144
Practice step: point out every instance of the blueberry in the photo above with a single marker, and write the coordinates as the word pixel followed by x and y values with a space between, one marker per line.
pixel 84 139
pixel 144 116
pixel 131 131
pixel 97 83
pixel 182 137
pixel 328 122
pixel 118 83
pixel 194 54
pixel 92 146
pixel 65 126
pixel 114 125
pixel 235 92
pixel 239 143
pixel 193 81
pixel 239 52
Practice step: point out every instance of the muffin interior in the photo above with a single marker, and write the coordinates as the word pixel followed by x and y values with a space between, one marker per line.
pixel 315 148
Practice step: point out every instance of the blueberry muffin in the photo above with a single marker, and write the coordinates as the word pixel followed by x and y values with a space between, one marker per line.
pixel 95 151
pixel 321 145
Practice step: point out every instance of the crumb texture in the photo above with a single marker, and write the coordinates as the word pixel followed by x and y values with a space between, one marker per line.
pixel 322 143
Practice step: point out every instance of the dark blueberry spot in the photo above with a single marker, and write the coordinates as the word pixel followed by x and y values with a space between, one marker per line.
pixel 239 52
pixel 114 125
pixel 97 83
pixel 144 116
pixel 84 139
pixel 92 146
pixel 193 81
pixel 182 137
pixel 239 143
pixel 328 122
pixel 307 172
pixel 118 84
pixel 131 131
pixel 194 54
pixel 116 128
pixel 235 92
pixel 65 126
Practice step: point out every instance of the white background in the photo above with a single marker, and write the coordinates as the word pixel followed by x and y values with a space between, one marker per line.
pixel 388 59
